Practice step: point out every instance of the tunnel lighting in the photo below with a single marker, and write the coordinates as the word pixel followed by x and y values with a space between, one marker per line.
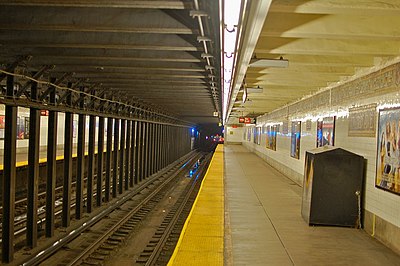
pixel 281 63
pixel 257 89
pixel 230 20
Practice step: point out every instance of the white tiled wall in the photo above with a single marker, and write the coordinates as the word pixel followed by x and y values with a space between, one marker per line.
pixel 233 134
pixel 382 203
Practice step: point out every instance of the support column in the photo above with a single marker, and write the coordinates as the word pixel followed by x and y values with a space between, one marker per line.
pixel 91 164
pixel 33 171
pixel 122 158
pixel 128 153
pixel 133 154
pixel 138 151
pixel 151 150
pixel 51 166
pixel 80 166
pixel 108 159
pixel 159 149
pixel 68 144
pixel 155 148
pixel 143 151
pixel 163 143
pixel 9 175
pixel 100 152
pixel 116 155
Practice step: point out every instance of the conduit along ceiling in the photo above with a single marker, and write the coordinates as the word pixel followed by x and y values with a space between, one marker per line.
pixel 324 41
pixel 162 53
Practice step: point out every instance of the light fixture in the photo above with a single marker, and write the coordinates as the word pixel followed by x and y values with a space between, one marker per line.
pixel 203 39
pixel 257 89
pixel 230 11
pixel 208 67
pixel 204 55
pixel 259 62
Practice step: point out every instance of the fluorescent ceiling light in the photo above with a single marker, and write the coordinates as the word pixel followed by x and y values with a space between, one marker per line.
pixel 255 90
pixel 256 62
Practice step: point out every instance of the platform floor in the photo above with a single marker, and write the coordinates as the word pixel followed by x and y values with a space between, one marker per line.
pixel 202 239
pixel 263 224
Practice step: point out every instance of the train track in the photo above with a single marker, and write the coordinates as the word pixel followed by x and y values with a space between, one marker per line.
pixel 21 205
pixel 160 248
pixel 107 227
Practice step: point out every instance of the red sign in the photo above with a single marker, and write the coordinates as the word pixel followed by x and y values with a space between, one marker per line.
pixel 44 112
pixel 246 120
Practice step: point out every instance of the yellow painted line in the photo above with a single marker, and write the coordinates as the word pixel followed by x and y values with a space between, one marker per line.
pixel 44 160
pixel 202 238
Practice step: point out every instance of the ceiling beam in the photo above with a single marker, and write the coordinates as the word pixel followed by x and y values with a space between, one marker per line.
pixel 332 27
pixel 327 47
pixel 164 4
pixel 354 7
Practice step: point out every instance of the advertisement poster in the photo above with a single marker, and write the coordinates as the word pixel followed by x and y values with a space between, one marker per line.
pixel 26 136
pixel 326 131
pixel 257 135
pixel 388 152
pixel 20 128
pixel 2 126
pixel 362 121
pixel 295 140
pixel 271 138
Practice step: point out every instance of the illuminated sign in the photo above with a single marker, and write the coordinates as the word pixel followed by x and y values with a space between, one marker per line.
pixel 246 120
pixel 44 112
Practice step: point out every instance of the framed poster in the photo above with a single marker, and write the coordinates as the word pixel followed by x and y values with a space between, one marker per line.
pixel 362 121
pixel 285 127
pixel 26 136
pixel 257 135
pixel 319 133
pixel 20 127
pixel 2 126
pixel 326 131
pixel 295 140
pixel 388 151
pixel 271 137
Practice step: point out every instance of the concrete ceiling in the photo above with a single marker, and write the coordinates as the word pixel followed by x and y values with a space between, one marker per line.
pixel 325 41
pixel 155 51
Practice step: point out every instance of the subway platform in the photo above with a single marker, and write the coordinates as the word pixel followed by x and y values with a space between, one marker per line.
pixel 263 223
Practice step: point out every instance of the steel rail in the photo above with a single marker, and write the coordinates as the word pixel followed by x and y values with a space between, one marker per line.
pixel 58 244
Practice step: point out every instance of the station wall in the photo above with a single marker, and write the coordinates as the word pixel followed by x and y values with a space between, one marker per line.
pixel 233 134
pixel 374 92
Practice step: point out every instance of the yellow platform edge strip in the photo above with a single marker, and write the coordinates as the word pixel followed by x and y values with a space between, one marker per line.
pixel 219 149
pixel 44 160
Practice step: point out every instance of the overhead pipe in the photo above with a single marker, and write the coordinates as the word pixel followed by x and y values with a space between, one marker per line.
pixel 205 39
